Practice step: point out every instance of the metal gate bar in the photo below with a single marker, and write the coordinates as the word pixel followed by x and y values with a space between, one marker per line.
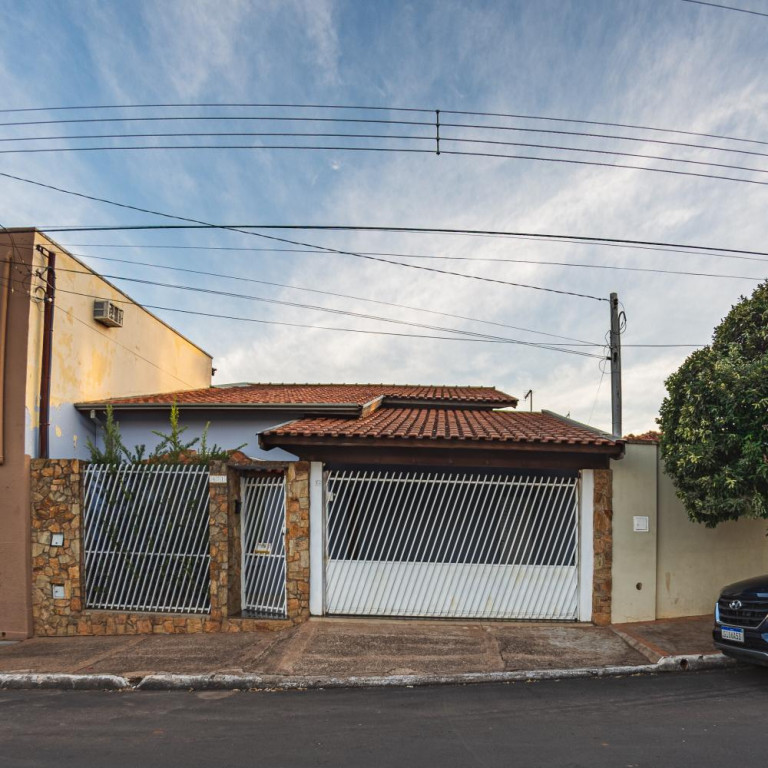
pixel 146 538
pixel 263 546
pixel 436 543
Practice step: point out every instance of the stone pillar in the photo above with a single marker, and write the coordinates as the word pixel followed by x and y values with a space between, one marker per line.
pixel 234 597
pixel 603 547
pixel 219 546
pixel 56 509
pixel 297 539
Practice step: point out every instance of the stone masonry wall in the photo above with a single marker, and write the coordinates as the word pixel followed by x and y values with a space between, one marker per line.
pixel 56 493
pixel 603 547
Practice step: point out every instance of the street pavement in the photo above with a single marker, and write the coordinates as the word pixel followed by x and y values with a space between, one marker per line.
pixel 698 719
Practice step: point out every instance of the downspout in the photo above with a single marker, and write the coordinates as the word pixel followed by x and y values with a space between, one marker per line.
pixel 45 369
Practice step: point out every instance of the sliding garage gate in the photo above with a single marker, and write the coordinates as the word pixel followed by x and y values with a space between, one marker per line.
pixel 471 545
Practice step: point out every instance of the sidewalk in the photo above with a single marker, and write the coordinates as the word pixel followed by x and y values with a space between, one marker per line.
pixel 360 650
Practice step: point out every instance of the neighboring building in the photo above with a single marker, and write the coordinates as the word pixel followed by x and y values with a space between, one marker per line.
pixel 54 353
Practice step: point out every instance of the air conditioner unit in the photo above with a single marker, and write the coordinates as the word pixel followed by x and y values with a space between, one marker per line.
pixel 107 313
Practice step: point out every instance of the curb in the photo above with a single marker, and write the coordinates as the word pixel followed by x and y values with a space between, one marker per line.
pixel 62 682
pixel 225 682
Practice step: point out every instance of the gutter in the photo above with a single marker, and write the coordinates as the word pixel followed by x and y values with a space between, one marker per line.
pixel 344 409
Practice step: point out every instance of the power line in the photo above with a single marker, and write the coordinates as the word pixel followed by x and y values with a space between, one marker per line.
pixel 559 240
pixel 334 148
pixel 366 136
pixel 571 161
pixel 363 108
pixel 708 250
pixel 410 137
pixel 329 293
pixel 329 310
pixel 198 223
pixel 309 326
pixel 414 256
pixel 489 340
pixel 727 7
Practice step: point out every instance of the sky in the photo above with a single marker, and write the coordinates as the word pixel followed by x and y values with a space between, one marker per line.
pixel 661 63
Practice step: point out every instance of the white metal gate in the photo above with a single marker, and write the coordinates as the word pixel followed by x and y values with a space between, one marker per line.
pixel 404 543
pixel 145 537
pixel 263 546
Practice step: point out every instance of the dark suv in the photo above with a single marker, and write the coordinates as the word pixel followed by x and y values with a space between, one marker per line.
pixel 741 628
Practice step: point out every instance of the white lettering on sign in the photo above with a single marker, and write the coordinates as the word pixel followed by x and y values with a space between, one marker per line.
pixel 218 480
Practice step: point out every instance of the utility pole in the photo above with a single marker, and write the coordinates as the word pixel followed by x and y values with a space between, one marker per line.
pixel 44 417
pixel 615 352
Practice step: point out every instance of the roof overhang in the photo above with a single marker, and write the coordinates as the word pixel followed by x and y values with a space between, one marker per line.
pixel 436 452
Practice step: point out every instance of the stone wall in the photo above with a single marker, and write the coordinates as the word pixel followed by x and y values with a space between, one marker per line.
pixel 56 491
pixel 55 498
pixel 603 546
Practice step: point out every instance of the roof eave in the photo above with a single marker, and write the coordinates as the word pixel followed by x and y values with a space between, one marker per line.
pixel 415 402
pixel 268 440
pixel 337 409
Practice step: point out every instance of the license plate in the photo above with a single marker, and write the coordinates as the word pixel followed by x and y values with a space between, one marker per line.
pixel 734 634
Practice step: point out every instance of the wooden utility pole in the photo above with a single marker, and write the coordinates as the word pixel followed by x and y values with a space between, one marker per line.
pixel 615 352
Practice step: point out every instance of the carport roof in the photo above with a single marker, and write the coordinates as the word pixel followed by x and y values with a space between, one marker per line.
pixel 437 425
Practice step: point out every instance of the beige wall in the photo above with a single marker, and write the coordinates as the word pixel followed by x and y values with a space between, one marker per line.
pixel 681 564
pixel 91 361
pixel 694 562
pixel 634 554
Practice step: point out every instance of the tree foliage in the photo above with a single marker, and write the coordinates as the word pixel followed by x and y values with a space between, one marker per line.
pixel 714 420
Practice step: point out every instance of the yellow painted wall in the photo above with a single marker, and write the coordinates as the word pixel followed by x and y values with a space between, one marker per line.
pixel 91 361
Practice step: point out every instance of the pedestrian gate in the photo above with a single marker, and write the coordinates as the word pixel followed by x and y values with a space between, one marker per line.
pixel 263 546
pixel 473 545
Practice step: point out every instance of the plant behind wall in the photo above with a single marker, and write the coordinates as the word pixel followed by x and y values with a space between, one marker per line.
pixel 171 449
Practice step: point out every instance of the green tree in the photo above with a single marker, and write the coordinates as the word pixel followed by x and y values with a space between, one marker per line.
pixel 714 420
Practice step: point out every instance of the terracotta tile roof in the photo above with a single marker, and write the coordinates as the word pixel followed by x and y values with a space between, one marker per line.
pixel 329 394
pixel 651 436
pixel 445 424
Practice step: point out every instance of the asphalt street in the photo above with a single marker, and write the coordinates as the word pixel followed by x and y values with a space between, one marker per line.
pixel 693 719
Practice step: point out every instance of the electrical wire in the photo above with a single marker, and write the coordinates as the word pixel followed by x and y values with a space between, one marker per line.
pixel 708 250
pixel 727 7
pixel 562 241
pixel 301 325
pixel 199 223
pixel 240 278
pixel 329 310
pixel 455 258
pixel 409 137
pixel 364 108
pixel 339 329
pixel 456 153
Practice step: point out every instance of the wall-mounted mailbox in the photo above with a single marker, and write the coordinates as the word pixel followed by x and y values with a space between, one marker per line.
pixel 640 524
